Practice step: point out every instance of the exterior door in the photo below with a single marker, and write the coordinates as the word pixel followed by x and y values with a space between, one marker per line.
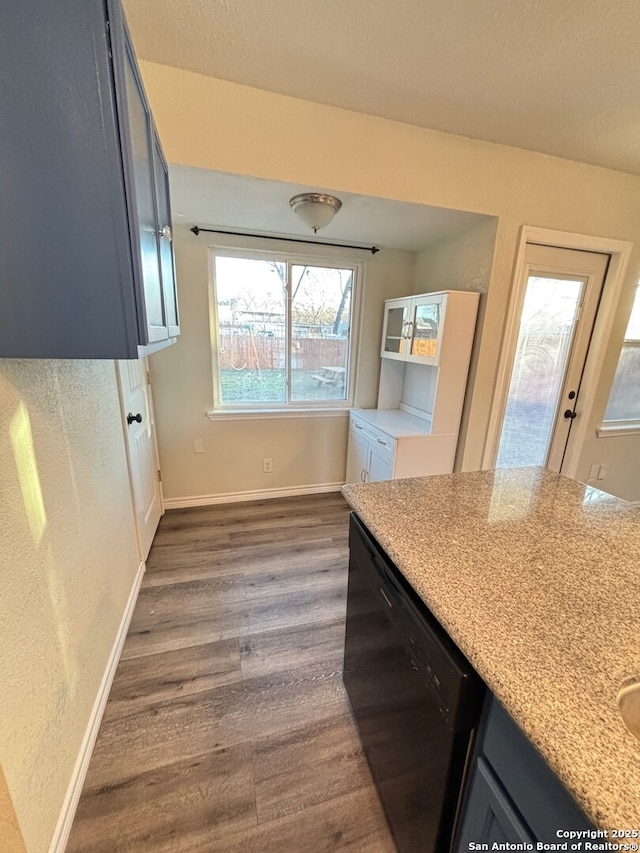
pixel 139 425
pixel 559 297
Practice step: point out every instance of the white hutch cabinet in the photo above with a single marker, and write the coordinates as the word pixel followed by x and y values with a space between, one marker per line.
pixel 426 348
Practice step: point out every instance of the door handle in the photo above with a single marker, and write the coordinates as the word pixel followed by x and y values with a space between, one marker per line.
pixel 569 414
pixel 131 418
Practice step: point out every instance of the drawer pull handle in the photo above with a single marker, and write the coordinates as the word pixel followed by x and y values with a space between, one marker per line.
pixel 380 441
pixel 357 426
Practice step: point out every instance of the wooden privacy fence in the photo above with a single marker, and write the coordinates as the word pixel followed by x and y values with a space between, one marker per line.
pixel 245 351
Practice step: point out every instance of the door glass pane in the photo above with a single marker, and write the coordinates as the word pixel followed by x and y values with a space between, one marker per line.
pixel 164 243
pixel 320 329
pixel 251 302
pixel 393 335
pixel 143 180
pixel 544 340
pixel 425 330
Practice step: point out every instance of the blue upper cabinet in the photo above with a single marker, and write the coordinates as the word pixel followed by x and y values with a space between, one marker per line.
pixel 86 259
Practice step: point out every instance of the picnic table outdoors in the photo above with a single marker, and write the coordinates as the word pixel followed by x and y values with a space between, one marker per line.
pixel 329 376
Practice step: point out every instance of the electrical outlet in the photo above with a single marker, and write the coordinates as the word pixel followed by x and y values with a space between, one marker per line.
pixel 594 472
pixel 267 466
pixel 602 473
pixel 198 445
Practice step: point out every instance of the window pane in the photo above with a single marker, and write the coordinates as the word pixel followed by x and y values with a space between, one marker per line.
pixel 320 329
pixel 544 338
pixel 251 301
pixel 624 401
pixel 633 329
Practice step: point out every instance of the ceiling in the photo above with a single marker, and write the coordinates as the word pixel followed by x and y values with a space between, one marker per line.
pixel 555 76
pixel 240 203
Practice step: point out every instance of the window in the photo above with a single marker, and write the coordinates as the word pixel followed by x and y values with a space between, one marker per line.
pixel 283 332
pixel 624 401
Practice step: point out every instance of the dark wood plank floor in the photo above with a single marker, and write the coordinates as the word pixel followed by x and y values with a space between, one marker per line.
pixel 228 727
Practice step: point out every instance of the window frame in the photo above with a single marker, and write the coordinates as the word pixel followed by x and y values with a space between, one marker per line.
pixel 288 408
pixel 623 426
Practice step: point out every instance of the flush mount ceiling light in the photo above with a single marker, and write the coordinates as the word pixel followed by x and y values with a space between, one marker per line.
pixel 315 209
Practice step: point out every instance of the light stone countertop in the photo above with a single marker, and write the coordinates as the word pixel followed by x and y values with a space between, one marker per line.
pixel 537 579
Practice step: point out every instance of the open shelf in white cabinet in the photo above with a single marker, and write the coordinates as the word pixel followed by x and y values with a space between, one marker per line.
pixel 414 430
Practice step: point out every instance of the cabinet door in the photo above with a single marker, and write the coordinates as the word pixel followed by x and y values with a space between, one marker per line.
pixel 357 455
pixel 163 218
pixel 395 328
pixel 489 815
pixel 66 286
pixel 425 329
pixel 152 318
pixel 381 463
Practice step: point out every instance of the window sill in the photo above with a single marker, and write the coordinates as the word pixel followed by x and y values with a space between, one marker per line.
pixel 274 414
pixel 616 429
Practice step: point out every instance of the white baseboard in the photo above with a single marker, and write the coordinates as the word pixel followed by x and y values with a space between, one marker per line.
pixel 257 495
pixel 70 804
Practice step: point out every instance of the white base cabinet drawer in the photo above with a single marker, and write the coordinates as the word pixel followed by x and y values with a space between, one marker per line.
pixel 374 454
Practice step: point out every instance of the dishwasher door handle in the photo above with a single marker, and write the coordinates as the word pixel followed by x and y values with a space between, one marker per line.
pixel 386 597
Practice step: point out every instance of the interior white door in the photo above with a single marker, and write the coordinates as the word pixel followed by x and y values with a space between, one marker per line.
pixel 139 425
pixel 559 297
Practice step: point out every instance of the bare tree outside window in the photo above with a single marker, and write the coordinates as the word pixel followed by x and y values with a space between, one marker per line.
pixel 283 332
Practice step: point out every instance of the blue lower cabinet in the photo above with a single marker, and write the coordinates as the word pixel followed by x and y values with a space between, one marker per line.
pixel 489 814
pixel 513 795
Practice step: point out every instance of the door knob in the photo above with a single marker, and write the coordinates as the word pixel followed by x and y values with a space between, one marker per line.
pixel 569 414
pixel 131 418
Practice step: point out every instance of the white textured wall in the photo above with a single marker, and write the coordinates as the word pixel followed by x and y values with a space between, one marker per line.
pixel 305 451
pixel 463 262
pixel 212 124
pixel 68 557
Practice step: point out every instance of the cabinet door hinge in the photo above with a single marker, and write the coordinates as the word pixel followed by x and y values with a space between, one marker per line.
pixel 159 475
pixel 148 377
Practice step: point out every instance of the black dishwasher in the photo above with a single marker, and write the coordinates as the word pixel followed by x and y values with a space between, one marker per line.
pixel 415 698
